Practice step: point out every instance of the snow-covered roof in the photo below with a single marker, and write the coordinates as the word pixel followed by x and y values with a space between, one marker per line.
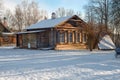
pixel 49 23
pixel 8 33
pixel 30 32
pixel 106 43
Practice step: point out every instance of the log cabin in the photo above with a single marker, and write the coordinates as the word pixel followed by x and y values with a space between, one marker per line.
pixel 7 38
pixel 65 33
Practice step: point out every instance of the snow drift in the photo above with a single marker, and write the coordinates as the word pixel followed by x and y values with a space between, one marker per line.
pixel 106 43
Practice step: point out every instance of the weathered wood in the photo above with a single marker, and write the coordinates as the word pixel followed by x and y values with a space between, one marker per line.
pixel 7 38
pixel 66 35
pixel 43 40
pixel 70 46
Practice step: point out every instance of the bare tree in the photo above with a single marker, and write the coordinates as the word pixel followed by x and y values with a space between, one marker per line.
pixel 19 17
pixel 2 9
pixel 6 14
pixel 10 20
pixel 78 13
pixel 61 12
pixel 31 13
pixel 70 12
pixel 100 11
pixel 28 13
pixel 97 14
pixel 116 21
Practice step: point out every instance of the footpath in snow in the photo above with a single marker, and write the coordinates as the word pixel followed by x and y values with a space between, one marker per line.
pixel 22 64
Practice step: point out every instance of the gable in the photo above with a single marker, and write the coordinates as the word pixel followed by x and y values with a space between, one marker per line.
pixel 73 22
pixel 3 28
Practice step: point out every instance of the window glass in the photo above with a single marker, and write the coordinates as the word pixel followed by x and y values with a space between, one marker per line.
pixel 75 33
pixel 62 37
pixel 78 37
pixel 70 37
pixel 25 39
pixel 57 36
pixel 84 37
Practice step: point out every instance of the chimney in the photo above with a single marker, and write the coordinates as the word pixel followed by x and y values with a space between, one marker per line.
pixel 5 22
pixel 53 15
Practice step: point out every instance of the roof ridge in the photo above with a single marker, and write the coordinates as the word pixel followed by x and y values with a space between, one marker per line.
pixel 56 18
pixel 49 23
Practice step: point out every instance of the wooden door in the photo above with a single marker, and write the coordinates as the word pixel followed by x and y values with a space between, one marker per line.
pixel 43 40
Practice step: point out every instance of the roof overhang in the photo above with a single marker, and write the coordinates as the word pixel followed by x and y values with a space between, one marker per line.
pixel 30 32
pixel 8 33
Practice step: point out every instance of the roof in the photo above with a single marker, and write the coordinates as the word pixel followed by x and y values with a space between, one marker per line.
pixel 49 23
pixel 30 32
pixel 5 28
pixel 8 33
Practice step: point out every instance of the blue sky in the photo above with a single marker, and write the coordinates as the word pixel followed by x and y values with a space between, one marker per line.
pixel 51 5
pixel 76 5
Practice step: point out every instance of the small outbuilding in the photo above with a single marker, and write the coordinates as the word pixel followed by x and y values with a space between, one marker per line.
pixel 7 38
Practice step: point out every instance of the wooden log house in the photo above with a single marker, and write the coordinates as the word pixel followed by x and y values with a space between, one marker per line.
pixel 7 38
pixel 65 33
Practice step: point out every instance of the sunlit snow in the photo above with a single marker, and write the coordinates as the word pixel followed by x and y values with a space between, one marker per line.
pixel 23 64
pixel 106 43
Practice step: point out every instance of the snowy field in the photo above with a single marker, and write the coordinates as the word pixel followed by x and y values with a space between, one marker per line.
pixel 22 64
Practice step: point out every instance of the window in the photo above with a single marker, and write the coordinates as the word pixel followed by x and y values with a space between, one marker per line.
pixel 57 36
pixel 78 37
pixel 62 37
pixel 74 36
pixel 66 34
pixel 84 37
pixel 70 37
pixel 25 39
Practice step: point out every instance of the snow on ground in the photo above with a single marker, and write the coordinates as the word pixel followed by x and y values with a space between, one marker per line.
pixel 23 64
pixel 106 43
